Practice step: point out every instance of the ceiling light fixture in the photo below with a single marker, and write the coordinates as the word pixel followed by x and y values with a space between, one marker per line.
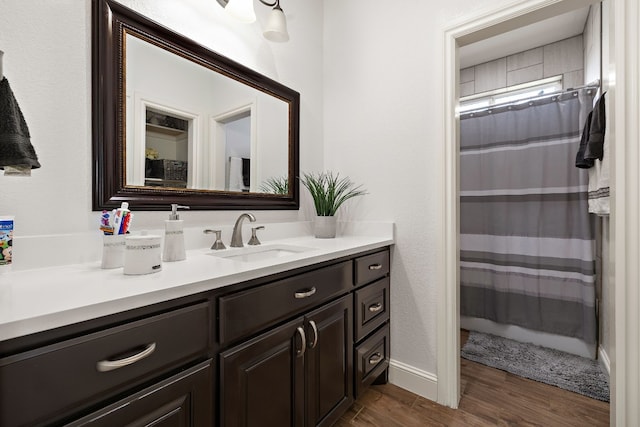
pixel 242 11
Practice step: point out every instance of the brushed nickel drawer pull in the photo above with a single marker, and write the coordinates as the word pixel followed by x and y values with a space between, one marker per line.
pixel 374 308
pixel 306 293
pixel 110 365
pixel 375 266
pixel 375 358
pixel 313 343
pixel 303 342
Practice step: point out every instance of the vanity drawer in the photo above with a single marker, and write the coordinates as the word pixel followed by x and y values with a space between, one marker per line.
pixel 371 267
pixel 372 358
pixel 54 381
pixel 372 307
pixel 247 312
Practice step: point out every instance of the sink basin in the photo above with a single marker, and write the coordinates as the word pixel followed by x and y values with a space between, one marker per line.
pixel 260 252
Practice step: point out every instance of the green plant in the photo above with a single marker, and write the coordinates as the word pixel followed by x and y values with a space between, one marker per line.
pixel 275 185
pixel 329 191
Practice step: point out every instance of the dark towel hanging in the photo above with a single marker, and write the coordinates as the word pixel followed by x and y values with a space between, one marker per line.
pixel 592 139
pixel 595 144
pixel 246 172
pixel 15 141
pixel 581 162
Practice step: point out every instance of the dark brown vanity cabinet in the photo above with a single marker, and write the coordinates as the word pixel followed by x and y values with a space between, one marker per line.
pixel 299 373
pixel 138 371
pixel 371 320
pixel 312 341
pixel 289 350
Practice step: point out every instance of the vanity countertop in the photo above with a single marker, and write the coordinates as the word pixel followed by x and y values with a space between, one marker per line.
pixel 36 300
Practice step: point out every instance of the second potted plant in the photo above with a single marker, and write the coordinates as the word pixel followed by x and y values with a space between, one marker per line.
pixel 329 192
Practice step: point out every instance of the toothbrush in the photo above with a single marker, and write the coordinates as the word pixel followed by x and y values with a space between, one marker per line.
pixel 105 223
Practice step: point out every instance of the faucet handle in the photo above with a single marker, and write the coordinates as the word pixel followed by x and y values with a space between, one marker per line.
pixel 254 239
pixel 218 244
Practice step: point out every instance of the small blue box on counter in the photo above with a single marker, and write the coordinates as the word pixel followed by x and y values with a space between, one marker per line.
pixel 6 240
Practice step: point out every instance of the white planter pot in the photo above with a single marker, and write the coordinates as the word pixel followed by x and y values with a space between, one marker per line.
pixel 324 227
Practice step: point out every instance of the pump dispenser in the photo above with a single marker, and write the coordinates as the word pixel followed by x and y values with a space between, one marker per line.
pixel 173 249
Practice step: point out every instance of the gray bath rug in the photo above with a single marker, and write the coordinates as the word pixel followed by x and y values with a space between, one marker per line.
pixel 549 366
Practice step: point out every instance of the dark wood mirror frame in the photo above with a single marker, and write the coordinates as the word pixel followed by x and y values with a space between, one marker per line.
pixel 110 21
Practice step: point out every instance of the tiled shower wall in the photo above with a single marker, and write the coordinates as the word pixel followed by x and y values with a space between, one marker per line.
pixel 563 57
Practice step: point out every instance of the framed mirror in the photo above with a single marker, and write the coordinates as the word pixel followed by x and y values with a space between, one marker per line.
pixel 174 122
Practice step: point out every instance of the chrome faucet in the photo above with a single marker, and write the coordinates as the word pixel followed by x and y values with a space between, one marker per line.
pixel 236 236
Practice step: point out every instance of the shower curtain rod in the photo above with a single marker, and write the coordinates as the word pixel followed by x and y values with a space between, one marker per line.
pixel 592 85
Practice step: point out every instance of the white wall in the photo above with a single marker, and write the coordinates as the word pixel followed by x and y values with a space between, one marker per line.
pixel 47 60
pixel 384 127
pixel 592 45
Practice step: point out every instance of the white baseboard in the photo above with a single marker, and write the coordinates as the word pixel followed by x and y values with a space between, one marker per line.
pixel 604 359
pixel 415 380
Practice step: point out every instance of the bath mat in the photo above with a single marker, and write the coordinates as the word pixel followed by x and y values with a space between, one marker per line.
pixel 549 366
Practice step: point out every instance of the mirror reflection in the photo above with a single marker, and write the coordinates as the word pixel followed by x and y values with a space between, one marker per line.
pixel 188 126
pixel 175 122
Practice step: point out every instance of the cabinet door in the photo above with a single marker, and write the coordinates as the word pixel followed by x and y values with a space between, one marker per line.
pixel 329 362
pixel 262 380
pixel 184 400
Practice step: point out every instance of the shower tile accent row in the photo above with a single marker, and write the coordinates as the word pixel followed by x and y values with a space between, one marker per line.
pixel 564 57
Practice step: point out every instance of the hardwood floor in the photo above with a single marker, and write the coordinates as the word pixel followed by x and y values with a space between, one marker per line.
pixel 490 397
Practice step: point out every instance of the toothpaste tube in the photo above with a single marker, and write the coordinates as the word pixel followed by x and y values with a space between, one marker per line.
pixel 6 240
pixel 119 226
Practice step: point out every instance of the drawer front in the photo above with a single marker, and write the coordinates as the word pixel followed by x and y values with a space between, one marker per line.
pixel 247 312
pixel 62 378
pixel 372 358
pixel 372 307
pixel 184 399
pixel 371 267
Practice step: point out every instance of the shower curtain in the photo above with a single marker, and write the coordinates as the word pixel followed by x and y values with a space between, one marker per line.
pixel 526 237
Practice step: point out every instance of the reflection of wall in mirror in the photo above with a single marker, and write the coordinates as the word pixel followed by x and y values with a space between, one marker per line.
pixel 155 76
pixel 272 145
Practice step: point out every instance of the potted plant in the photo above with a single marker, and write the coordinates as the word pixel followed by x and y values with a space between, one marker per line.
pixel 275 185
pixel 329 192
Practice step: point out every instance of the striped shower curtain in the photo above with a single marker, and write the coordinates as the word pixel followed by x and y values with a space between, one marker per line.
pixel 526 237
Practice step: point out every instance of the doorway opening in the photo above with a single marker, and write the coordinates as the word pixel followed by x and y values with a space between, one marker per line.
pixel 482 28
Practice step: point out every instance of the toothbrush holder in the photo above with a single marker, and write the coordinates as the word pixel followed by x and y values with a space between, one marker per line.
pixel 112 251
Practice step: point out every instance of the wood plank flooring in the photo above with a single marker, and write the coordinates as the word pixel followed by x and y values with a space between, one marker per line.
pixel 490 397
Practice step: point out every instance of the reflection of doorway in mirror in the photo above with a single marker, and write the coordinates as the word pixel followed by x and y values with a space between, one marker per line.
pixel 233 164
pixel 237 132
pixel 166 149
pixel 162 132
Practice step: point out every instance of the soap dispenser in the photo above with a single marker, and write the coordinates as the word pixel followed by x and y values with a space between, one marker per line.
pixel 174 236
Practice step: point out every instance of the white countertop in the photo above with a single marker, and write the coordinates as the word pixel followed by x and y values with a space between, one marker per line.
pixel 37 300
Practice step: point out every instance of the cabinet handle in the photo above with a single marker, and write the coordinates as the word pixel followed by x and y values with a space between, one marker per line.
pixel 303 342
pixel 375 358
pixel 314 328
pixel 306 293
pixel 110 365
pixel 374 308
pixel 375 266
